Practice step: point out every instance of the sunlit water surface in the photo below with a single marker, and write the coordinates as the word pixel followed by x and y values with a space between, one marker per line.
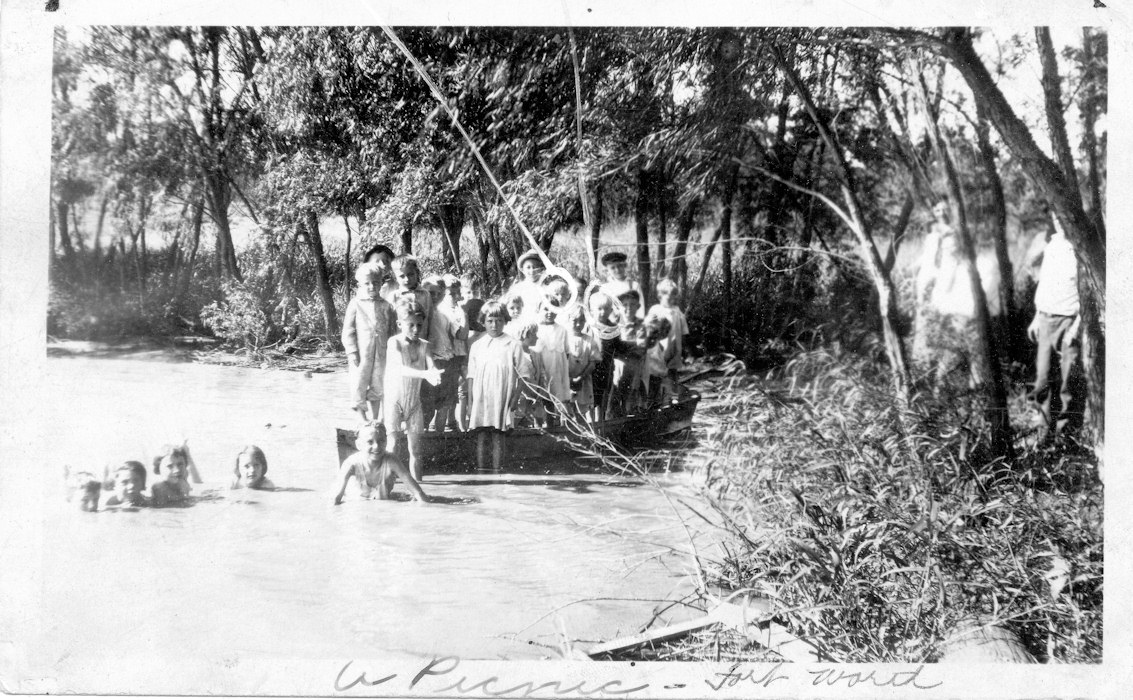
pixel 502 566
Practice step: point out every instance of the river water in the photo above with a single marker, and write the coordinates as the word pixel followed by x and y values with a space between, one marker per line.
pixel 498 567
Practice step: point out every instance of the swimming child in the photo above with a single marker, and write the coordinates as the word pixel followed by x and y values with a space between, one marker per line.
pixel 250 471
pixel 367 325
pixel 174 486
pixel 552 350
pixel 84 485
pixel 583 353
pixel 407 363
pixel 408 277
pixel 374 468
pixel 668 307
pixel 496 364
pixel 129 486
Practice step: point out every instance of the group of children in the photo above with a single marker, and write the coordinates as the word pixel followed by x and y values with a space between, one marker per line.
pixel 175 466
pixel 423 357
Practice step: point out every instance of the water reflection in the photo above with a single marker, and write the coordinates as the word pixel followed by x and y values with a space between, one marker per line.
pixel 499 566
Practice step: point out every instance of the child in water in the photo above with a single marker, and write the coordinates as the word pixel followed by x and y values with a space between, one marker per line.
pixel 250 471
pixel 366 327
pixel 496 364
pixel 129 486
pixel 174 486
pixel 85 486
pixel 374 468
pixel 407 363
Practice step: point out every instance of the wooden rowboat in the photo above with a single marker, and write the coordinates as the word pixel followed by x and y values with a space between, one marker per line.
pixel 533 448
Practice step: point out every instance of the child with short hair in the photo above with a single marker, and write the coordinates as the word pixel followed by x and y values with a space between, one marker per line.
pixel 617 277
pixel 452 307
pixel 174 485
pixel 83 485
pixel 530 409
pixel 583 353
pixel 441 400
pixel 407 362
pixel 251 470
pixel 407 274
pixel 374 467
pixel 656 385
pixel 129 486
pixel 382 255
pixel 496 365
pixel 628 354
pixel 367 325
pixel 668 307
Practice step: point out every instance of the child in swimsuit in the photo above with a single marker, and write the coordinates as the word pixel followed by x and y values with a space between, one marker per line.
pixel 373 468
pixel 407 363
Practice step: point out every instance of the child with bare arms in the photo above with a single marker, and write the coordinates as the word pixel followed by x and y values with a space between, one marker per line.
pixel 582 354
pixel 372 467
pixel 368 323
pixel 129 486
pixel 178 466
pixel 407 363
pixel 496 364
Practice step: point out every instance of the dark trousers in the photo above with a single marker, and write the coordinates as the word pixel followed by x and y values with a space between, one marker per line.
pixel 1057 390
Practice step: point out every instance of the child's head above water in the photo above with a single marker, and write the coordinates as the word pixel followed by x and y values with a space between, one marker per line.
pixel 130 482
pixel 406 272
pixel 493 316
pixel 371 440
pixel 251 466
pixel 174 461
pixel 85 486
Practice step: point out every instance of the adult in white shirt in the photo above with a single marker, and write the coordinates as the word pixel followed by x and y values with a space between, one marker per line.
pixel 1055 329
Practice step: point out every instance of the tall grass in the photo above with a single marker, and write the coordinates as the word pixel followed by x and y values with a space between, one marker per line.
pixel 874 555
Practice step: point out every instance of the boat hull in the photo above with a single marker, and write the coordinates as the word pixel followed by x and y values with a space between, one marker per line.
pixel 534 448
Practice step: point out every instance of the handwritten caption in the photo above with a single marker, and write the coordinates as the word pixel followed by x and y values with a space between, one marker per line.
pixel 443 675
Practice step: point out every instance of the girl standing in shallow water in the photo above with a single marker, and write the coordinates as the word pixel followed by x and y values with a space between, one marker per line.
pixel 496 363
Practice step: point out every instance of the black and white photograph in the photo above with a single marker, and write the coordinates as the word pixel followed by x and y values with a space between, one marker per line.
pixel 581 352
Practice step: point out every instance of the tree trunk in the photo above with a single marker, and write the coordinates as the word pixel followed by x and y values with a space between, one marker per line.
pixel 1063 196
pixel 219 199
pixel 641 226
pixel 346 285
pixel 887 297
pixel 998 225
pixel 198 220
pixel 51 234
pixel 724 224
pixel 997 415
pixel 684 230
pixel 596 224
pixel 663 225
pixel 315 242
pixel 62 225
pixel 1052 97
pixel 1091 103
pixel 407 238
pixel 451 217
pixel 899 227
pixel 97 244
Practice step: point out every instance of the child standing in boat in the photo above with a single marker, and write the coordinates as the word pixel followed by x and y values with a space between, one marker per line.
pixel 408 277
pixel 367 325
pixel 407 363
pixel 496 364
pixel 629 354
pixel 551 347
pixel 582 355
pixel 668 308
pixel 604 325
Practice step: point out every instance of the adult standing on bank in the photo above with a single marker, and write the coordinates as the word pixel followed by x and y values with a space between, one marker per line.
pixel 1055 330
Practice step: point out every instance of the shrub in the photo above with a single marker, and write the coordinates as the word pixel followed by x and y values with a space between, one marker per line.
pixel 875 554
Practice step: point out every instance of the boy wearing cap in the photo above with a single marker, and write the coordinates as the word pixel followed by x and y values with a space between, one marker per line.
pixel 617 277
